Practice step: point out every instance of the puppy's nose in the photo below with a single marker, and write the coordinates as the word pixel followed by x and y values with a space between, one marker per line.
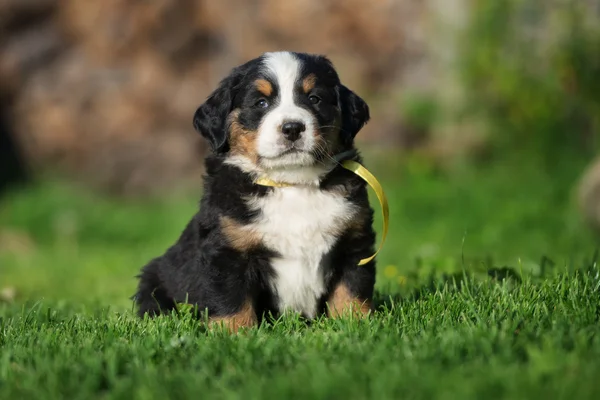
pixel 291 130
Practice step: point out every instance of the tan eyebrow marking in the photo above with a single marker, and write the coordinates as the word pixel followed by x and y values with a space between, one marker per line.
pixel 264 86
pixel 309 83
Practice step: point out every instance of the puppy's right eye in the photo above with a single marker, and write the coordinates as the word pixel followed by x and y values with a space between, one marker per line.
pixel 262 103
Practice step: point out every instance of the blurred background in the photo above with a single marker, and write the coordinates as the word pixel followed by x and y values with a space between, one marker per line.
pixel 484 130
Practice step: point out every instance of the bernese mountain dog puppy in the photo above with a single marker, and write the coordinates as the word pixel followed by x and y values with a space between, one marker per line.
pixel 254 249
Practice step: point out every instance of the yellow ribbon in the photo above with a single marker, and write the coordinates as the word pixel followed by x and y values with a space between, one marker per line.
pixel 270 182
pixel 368 177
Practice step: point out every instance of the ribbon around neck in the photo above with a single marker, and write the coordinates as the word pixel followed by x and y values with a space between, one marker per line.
pixel 370 179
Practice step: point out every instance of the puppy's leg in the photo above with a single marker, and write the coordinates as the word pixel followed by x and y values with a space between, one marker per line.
pixel 344 302
pixel 244 317
pixel 229 298
pixel 151 297
pixel 352 292
pixel 230 308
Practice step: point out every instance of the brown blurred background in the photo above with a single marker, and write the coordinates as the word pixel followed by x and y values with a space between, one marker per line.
pixel 104 92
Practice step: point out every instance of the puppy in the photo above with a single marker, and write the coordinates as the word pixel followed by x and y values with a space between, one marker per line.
pixel 292 245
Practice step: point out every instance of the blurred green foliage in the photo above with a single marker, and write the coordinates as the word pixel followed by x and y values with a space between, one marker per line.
pixel 532 69
pixel 420 111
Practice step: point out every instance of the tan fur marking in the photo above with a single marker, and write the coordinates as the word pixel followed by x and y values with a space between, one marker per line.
pixel 264 86
pixel 242 141
pixel 244 318
pixel 239 238
pixel 342 303
pixel 309 82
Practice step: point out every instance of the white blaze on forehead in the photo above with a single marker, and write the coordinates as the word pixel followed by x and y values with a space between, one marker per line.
pixel 284 69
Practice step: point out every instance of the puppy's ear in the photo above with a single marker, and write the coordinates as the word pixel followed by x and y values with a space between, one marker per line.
pixel 210 119
pixel 355 113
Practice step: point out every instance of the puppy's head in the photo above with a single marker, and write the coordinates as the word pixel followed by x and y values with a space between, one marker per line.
pixel 282 112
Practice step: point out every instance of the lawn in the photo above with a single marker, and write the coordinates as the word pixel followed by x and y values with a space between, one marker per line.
pixel 488 287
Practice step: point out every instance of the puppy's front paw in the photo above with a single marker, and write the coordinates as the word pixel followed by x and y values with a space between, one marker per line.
pixel 244 318
pixel 343 303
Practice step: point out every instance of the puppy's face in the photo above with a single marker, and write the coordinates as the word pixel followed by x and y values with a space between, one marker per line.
pixel 282 111
pixel 290 109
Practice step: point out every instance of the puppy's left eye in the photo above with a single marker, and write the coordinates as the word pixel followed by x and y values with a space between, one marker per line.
pixel 314 99
pixel 262 103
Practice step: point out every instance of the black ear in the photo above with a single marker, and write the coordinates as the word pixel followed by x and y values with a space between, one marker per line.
pixel 355 113
pixel 210 119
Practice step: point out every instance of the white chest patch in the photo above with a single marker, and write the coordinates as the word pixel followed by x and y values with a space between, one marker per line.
pixel 301 224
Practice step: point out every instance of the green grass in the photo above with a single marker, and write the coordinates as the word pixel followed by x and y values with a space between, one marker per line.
pixel 444 328
pixel 482 341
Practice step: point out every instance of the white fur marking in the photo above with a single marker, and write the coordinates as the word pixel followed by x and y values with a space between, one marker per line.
pixel 300 223
pixel 284 67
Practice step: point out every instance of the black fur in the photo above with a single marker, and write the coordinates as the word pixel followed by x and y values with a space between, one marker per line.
pixel 210 119
pixel 355 114
pixel 201 267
